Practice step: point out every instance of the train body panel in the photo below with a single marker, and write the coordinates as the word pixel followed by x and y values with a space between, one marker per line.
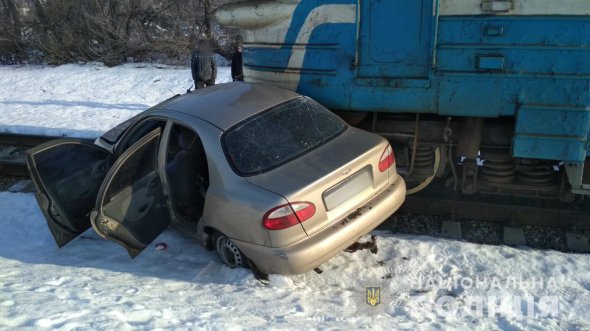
pixel 524 59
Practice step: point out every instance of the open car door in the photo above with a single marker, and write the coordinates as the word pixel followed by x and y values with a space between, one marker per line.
pixel 67 174
pixel 131 209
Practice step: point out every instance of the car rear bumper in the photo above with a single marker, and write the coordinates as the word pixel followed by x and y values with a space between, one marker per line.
pixel 312 251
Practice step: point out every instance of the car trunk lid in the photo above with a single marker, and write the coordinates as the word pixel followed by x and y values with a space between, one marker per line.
pixel 337 177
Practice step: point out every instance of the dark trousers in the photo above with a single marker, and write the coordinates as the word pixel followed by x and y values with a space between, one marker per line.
pixel 202 83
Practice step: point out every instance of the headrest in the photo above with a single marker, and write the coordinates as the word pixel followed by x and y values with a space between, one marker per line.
pixel 185 139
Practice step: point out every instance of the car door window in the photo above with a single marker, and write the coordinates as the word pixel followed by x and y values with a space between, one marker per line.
pixel 131 208
pixel 139 131
pixel 67 174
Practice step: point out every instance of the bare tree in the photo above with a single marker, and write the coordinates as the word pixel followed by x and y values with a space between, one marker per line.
pixel 110 30
pixel 12 48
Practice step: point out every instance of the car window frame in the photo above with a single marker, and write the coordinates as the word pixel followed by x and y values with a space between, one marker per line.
pixel 118 148
pixel 131 120
pixel 163 153
pixel 261 113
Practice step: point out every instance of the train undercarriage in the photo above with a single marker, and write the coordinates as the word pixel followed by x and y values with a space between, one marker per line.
pixel 470 155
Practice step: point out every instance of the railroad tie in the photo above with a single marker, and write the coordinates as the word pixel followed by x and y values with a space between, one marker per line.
pixel 577 242
pixel 514 236
pixel 451 230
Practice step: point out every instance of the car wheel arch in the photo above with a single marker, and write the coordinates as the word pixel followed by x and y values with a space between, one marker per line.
pixel 210 232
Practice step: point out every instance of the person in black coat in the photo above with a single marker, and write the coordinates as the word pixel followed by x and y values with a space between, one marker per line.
pixel 203 67
pixel 236 66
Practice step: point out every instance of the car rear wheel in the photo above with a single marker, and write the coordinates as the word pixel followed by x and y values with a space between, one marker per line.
pixel 228 252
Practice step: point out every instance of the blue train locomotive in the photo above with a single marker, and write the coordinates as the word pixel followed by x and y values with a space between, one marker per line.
pixel 491 95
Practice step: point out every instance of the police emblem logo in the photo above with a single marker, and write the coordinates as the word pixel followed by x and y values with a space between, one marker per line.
pixel 373 296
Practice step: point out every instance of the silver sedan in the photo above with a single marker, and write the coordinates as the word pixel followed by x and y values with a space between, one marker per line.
pixel 268 178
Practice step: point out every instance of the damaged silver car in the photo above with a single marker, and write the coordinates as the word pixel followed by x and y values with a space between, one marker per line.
pixel 266 177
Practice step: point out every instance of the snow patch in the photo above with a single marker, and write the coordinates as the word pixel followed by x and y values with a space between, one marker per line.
pixel 85 100
pixel 93 284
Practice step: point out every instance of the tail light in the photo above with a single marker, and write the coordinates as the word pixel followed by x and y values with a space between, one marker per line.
pixel 387 159
pixel 287 215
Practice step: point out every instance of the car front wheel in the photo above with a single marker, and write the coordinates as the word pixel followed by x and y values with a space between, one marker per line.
pixel 228 252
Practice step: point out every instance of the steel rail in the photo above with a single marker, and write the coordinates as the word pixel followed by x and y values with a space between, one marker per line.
pixel 549 214
pixel 24 139
pixel 15 164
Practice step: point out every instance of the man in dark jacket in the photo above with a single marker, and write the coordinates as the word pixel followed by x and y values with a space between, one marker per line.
pixel 236 66
pixel 203 66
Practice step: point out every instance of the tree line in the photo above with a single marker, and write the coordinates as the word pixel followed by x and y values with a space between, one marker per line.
pixel 109 31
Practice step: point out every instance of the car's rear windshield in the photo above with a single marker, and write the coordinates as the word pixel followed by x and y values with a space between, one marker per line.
pixel 281 134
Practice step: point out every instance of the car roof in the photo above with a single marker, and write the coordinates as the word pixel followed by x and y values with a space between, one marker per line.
pixel 225 105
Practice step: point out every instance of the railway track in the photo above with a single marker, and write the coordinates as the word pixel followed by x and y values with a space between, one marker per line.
pixel 508 211
pixel 492 219
pixel 435 211
pixel 12 152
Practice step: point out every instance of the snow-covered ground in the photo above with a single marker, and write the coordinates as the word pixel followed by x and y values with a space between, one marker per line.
pixel 85 100
pixel 423 282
